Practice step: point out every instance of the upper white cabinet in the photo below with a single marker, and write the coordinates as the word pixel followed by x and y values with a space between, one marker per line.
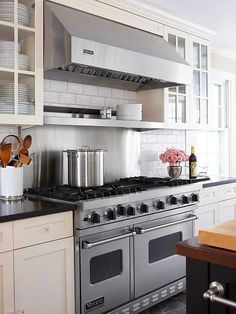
pixel 176 99
pixel 200 61
pixel 21 62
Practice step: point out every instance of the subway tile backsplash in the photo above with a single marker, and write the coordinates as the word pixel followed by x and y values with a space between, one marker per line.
pixel 57 93
pixel 155 142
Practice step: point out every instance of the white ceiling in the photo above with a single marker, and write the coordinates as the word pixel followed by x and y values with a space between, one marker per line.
pixel 219 16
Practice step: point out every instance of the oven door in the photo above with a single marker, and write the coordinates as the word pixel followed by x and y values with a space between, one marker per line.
pixel 156 263
pixel 105 271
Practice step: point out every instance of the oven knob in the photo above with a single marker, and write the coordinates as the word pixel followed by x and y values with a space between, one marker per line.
pixel 111 214
pixel 184 199
pixel 130 211
pixel 120 210
pixel 94 218
pixel 172 200
pixel 194 197
pixel 143 208
pixel 160 205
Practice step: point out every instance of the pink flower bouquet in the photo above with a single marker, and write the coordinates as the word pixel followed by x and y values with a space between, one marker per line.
pixel 173 156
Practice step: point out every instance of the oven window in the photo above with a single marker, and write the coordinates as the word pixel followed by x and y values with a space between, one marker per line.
pixel 105 266
pixel 163 247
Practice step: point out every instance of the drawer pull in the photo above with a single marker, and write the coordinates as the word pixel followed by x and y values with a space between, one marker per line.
pixel 46 229
pixel 215 294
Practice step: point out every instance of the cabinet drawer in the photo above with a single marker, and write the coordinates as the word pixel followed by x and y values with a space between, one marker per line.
pixel 6 236
pixel 208 196
pixel 42 229
pixel 226 191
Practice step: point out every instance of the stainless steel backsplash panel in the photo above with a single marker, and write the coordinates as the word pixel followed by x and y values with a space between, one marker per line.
pixel 49 165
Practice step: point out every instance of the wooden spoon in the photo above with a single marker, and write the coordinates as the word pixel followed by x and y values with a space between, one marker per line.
pixel 5 154
pixel 27 141
pixel 25 160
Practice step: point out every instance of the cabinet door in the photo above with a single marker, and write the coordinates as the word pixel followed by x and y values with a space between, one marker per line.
pixel 227 278
pixel 44 278
pixel 208 216
pixel 200 61
pixel 177 98
pixel 227 210
pixel 6 283
pixel 21 64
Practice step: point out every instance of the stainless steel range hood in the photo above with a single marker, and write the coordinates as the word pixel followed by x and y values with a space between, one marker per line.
pixel 84 48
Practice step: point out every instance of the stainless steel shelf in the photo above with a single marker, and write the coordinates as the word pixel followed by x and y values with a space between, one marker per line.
pixel 138 125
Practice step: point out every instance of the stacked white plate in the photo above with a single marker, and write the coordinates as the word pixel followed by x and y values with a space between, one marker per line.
pixel 7 13
pixel 131 112
pixel 7 99
pixel 7 56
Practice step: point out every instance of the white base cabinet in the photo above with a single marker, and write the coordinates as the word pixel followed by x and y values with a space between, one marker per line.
pixel 44 278
pixel 227 210
pixel 37 271
pixel 208 216
pixel 6 283
pixel 217 205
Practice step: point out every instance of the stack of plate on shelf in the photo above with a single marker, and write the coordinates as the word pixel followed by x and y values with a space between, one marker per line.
pixel 131 112
pixel 7 13
pixel 7 56
pixel 7 99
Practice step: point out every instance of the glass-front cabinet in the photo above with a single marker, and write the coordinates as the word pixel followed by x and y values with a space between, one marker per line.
pixel 177 98
pixel 200 88
pixel 21 62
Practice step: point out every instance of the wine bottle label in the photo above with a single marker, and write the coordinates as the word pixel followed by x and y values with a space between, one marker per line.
pixel 193 169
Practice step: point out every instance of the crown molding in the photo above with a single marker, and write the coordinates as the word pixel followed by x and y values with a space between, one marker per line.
pixel 160 15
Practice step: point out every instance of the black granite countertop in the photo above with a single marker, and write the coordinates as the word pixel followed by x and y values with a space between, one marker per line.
pixel 215 181
pixel 27 208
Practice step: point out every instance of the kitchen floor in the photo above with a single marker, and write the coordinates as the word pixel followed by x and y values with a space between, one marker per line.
pixel 174 305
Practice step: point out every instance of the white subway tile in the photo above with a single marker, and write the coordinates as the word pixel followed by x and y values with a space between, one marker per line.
pixel 59 86
pixel 104 91
pixel 51 97
pixel 130 95
pixel 91 90
pixel 82 100
pixel 118 93
pixel 75 88
pixel 66 98
pixel 47 85
pixel 122 101
pixel 96 100
pixel 112 102
pixel 162 138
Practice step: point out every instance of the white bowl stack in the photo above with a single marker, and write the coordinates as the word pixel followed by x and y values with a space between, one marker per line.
pixel 7 56
pixel 132 112
pixel 7 99
pixel 7 13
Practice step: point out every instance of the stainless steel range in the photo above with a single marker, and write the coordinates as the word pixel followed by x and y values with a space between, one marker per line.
pixel 125 238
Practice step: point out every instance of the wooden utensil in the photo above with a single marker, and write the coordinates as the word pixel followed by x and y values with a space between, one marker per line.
pixel 15 141
pixel 27 141
pixel 5 154
pixel 25 160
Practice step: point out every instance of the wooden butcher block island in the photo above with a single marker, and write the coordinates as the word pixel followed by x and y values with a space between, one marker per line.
pixel 222 235
pixel 206 265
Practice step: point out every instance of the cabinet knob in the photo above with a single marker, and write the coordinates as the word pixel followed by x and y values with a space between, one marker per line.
pixel 46 229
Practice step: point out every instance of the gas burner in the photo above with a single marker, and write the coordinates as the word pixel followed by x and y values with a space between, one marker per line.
pixel 120 187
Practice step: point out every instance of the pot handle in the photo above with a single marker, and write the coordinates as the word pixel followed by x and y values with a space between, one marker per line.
pixel 86 146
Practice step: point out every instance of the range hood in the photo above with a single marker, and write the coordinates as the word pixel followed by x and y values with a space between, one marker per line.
pixel 84 48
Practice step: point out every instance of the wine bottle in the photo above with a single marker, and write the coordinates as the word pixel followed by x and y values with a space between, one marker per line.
pixel 192 164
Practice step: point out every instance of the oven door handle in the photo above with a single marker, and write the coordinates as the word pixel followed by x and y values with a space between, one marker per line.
pixel 140 230
pixel 89 245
